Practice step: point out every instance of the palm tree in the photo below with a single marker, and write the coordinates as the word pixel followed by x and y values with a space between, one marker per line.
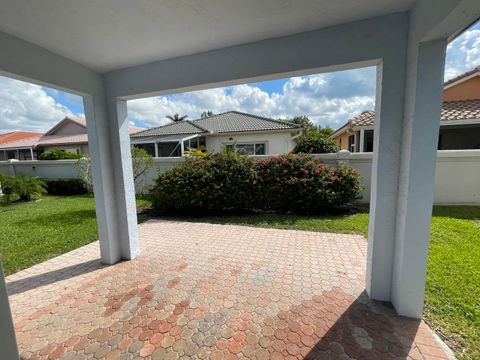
pixel 176 117
pixel 207 114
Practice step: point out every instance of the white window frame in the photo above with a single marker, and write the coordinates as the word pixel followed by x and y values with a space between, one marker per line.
pixel 254 143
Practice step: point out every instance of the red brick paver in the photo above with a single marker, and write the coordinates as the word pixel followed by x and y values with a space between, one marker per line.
pixel 213 291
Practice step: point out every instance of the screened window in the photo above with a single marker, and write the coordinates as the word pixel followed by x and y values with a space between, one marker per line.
pixel 194 143
pixel 149 148
pixel 169 149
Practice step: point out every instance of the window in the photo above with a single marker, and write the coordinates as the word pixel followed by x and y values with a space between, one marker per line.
pixel 248 148
pixel 351 143
pixel 149 148
pixel 72 150
pixel 368 141
pixel 169 149
pixel 194 143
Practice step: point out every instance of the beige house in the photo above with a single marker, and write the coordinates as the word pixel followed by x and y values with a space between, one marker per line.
pixel 459 122
pixel 69 135
pixel 249 134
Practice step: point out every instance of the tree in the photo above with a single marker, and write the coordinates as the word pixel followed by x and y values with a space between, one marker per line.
pixel 177 118
pixel 142 162
pixel 308 125
pixel 315 143
pixel 206 114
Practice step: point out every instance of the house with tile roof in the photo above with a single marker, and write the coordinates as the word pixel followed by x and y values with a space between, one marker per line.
pixel 459 121
pixel 70 135
pixel 247 133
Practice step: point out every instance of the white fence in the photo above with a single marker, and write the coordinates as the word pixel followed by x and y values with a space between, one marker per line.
pixel 457 179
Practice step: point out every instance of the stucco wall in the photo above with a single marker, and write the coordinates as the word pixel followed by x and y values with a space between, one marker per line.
pixel 70 128
pixel 456 180
pixel 469 89
pixel 276 142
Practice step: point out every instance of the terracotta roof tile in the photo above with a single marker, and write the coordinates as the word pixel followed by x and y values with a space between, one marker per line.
pixel 451 111
pixel 22 143
pixel 364 119
pixel 17 135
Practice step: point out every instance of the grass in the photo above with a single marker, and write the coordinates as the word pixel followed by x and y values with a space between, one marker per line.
pixel 452 297
pixel 37 231
pixel 34 232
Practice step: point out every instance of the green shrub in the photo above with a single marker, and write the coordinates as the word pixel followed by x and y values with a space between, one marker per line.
pixel 228 181
pixel 303 184
pixel 25 187
pixel 57 154
pixel 65 186
pixel 209 183
pixel 315 143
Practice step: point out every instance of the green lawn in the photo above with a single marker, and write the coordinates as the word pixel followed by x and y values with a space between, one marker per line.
pixel 37 231
pixel 34 232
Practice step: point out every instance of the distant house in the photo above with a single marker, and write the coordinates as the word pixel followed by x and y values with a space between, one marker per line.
pixel 69 135
pixel 249 134
pixel 459 122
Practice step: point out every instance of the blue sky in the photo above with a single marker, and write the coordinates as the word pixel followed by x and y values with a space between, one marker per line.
pixel 328 99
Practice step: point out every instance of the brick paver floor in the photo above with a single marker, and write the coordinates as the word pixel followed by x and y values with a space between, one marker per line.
pixel 213 292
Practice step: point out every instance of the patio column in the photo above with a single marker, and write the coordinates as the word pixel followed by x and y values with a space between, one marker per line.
pixel 406 134
pixel 8 342
pixel 423 101
pixel 109 146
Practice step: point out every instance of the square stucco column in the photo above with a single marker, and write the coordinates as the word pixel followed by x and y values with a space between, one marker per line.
pixel 109 146
pixel 8 342
pixel 406 135
pixel 423 101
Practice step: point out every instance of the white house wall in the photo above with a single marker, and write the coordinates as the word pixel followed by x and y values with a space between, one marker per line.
pixel 277 143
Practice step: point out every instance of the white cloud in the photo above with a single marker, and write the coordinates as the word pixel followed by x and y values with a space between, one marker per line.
pixel 27 107
pixel 463 53
pixel 329 99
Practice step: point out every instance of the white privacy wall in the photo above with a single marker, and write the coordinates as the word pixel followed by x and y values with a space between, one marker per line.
pixel 457 178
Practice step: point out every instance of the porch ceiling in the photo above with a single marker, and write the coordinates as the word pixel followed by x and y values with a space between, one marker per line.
pixel 106 35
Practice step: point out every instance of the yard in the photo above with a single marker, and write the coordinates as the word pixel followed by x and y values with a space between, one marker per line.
pixel 37 231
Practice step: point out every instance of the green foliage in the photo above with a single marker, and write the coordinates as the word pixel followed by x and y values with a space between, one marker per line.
pixel 303 184
pixel 201 151
pixel 210 183
pixel 57 154
pixel 229 181
pixel 176 117
pixel 65 186
pixel 206 114
pixel 24 187
pixel 142 162
pixel 315 143
pixel 315 139
pixel 308 126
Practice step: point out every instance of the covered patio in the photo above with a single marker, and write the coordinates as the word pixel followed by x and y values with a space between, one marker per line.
pixel 110 53
pixel 213 292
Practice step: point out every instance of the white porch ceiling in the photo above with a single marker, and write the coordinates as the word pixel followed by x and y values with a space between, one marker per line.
pixel 110 34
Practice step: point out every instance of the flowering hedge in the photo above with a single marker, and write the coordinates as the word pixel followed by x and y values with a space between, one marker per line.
pixel 228 181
